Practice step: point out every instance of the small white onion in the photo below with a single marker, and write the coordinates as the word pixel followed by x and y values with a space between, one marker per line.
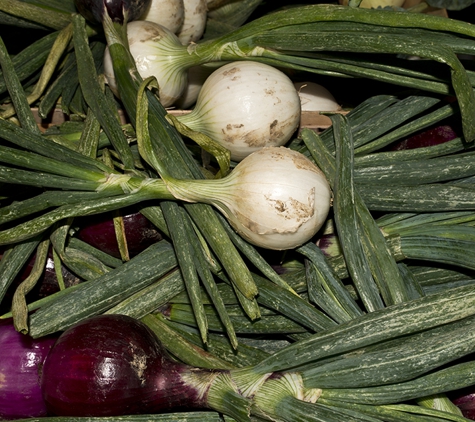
pixel 194 24
pixel 246 106
pixel 168 13
pixel 152 47
pixel 315 97
pixel 276 198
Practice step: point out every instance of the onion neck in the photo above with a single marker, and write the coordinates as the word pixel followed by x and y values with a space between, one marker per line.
pixel 224 397
pixel 221 50
pixel 197 388
pixel 283 395
pixel 216 192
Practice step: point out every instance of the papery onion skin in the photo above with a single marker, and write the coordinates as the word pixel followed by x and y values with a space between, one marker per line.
pixel 21 360
pixel 111 365
pixel 153 48
pixel 197 76
pixel 168 13
pixel 246 106
pixel 93 10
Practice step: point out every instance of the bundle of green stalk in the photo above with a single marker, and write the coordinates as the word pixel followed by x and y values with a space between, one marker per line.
pixel 370 338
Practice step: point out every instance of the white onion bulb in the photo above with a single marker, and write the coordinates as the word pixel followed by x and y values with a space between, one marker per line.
pixel 246 106
pixel 197 76
pixel 194 23
pixel 168 13
pixel 276 198
pixel 315 97
pixel 154 50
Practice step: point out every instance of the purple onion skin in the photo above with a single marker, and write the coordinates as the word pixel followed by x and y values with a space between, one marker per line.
pixel 21 361
pixel 48 282
pixel 431 137
pixel 46 285
pixel 465 401
pixel 139 231
pixel 92 10
pixel 111 365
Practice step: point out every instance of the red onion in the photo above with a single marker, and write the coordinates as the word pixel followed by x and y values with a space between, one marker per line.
pixel 93 10
pixel 434 136
pixel 465 401
pixel 21 360
pixel 111 365
pixel 45 286
pixel 48 283
pixel 139 232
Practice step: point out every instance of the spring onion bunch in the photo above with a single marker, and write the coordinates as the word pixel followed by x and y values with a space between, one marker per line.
pixel 311 38
pixel 368 367
pixel 366 339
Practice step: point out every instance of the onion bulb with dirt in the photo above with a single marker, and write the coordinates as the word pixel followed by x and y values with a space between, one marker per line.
pixel 246 106
pixel 276 198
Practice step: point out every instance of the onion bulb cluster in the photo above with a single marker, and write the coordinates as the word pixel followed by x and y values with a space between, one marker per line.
pixel 185 18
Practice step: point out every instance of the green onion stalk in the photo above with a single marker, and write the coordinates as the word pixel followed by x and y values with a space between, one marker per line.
pixel 176 160
pixel 37 15
pixel 369 367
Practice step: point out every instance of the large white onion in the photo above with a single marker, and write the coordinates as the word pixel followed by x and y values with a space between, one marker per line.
pixel 194 22
pixel 154 49
pixel 315 97
pixel 168 13
pixel 246 106
pixel 276 198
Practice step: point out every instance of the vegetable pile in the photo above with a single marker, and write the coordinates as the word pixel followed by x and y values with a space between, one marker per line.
pixel 226 262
